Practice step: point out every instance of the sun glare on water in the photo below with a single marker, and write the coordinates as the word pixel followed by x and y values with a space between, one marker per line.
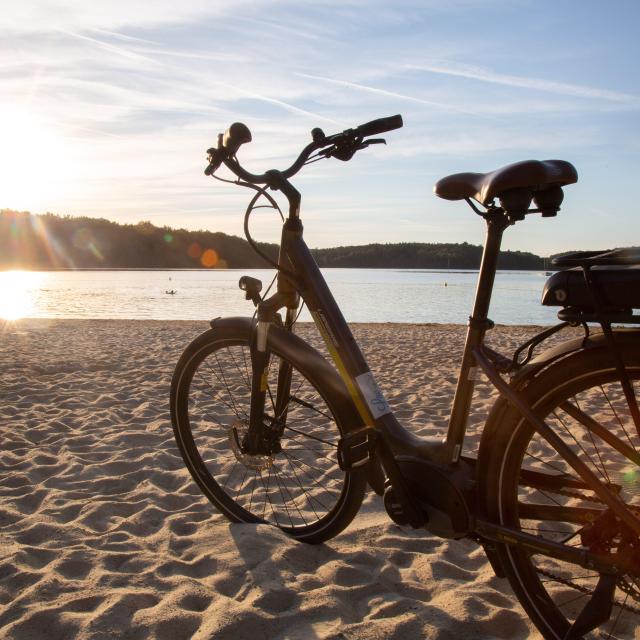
pixel 18 293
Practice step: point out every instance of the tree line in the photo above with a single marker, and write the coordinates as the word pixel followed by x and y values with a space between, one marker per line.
pixel 49 241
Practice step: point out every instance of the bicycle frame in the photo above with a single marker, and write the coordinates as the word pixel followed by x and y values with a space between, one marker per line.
pixel 299 274
pixel 351 363
pixel 296 259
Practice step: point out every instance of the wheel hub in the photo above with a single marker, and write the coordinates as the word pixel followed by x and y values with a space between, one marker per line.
pixel 257 462
pixel 608 533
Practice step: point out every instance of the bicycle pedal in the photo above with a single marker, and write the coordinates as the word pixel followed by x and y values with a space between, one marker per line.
pixel 394 508
pixel 356 449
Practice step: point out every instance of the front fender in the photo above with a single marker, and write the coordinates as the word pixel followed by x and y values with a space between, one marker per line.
pixel 320 372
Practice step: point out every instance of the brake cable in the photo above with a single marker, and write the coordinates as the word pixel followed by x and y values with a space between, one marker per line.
pixel 262 191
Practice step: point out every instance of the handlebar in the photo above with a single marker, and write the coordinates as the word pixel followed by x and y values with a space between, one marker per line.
pixel 341 145
pixel 381 125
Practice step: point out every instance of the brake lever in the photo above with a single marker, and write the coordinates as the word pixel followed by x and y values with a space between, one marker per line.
pixel 215 156
pixel 345 150
pixel 366 143
pixel 214 160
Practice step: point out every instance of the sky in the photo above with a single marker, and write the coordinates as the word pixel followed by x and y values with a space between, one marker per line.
pixel 107 109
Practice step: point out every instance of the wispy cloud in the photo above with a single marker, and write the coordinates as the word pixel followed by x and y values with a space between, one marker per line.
pixel 562 88
pixel 121 51
pixel 124 37
pixel 195 55
pixel 385 92
pixel 173 71
pixel 280 103
pixel 38 16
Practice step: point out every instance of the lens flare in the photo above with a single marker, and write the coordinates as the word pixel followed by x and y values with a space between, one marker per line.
pixel 194 251
pixel 209 258
pixel 631 478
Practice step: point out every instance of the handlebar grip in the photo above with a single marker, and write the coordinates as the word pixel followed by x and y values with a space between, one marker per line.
pixel 237 134
pixel 380 125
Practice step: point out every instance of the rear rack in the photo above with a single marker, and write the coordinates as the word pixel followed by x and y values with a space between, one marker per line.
pixel 596 309
pixel 613 257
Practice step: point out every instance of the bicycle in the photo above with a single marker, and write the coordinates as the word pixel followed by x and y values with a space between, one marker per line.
pixel 272 432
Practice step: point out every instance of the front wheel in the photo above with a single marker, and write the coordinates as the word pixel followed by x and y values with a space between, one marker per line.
pixel 530 487
pixel 301 488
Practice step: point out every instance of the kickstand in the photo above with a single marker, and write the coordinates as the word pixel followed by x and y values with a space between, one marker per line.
pixel 597 610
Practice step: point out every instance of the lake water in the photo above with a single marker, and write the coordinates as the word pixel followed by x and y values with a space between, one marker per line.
pixel 365 295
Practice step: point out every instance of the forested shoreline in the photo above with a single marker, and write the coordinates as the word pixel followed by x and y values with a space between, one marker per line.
pixel 50 241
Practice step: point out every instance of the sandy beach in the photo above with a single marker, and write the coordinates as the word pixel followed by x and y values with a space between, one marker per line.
pixel 105 535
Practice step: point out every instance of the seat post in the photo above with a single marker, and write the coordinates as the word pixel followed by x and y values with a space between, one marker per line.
pixel 497 222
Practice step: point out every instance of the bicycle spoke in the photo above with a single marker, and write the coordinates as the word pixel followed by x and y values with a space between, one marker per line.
pixel 551 466
pixel 572 600
pixel 600 469
pixel 244 477
pixel 231 406
pixel 592 425
pixel 210 419
pixel 247 377
pixel 224 486
pixel 253 488
pixel 308 405
pixel 308 435
pixel 295 483
pixel 293 393
pixel 231 395
pixel 227 389
pixel 301 487
pixel 616 413
pixel 617 618
pixel 273 510
pixel 316 452
pixel 325 489
pixel 283 500
pixel 310 466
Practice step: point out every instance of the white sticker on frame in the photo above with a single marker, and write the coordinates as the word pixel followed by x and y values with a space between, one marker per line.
pixel 373 396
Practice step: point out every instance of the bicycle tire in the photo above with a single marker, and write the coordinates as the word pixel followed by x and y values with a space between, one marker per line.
pixel 586 379
pixel 301 490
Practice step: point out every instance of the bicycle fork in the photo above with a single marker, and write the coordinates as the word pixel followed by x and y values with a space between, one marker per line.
pixel 254 442
pixel 263 436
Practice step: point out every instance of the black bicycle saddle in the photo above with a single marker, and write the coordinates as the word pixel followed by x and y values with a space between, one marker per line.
pixel 535 175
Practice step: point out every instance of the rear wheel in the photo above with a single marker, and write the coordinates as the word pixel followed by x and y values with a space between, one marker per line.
pixel 301 488
pixel 582 399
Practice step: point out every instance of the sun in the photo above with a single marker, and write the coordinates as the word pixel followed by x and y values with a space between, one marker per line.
pixel 19 293
pixel 34 159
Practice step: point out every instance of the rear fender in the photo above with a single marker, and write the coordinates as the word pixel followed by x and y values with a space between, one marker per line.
pixel 495 418
pixel 565 350
pixel 559 351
